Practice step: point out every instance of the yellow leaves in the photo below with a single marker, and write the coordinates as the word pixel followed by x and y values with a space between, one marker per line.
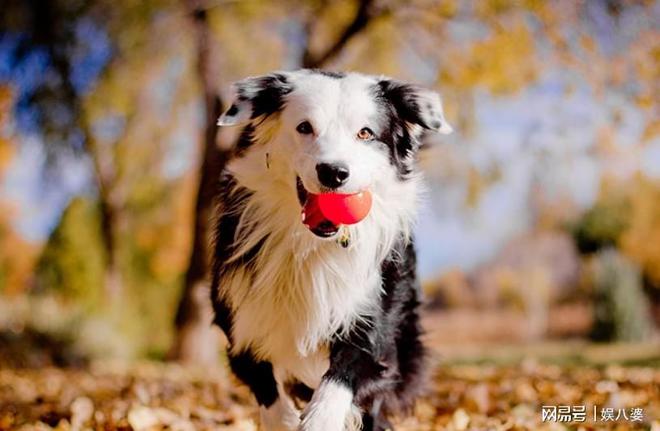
pixel 478 182
pixel 245 44
pixel 445 9
pixel 536 6
pixel 6 147
pixel 6 153
pixel 489 8
pixel 331 23
pixel 503 63
pixel 17 256
pixel 645 100
pixel 475 187
pixel 373 52
pixel 588 44
pixel 157 395
pixel 643 59
pixel 651 130
pixel 163 234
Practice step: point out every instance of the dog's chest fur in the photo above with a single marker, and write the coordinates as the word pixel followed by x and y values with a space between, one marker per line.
pixel 287 310
pixel 297 292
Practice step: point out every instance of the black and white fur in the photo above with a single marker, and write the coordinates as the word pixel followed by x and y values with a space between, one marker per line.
pixel 304 315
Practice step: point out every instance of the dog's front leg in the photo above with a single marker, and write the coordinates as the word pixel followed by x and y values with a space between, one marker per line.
pixel 276 409
pixel 282 415
pixel 333 406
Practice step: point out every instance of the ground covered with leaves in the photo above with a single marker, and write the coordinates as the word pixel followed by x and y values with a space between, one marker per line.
pixel 153 396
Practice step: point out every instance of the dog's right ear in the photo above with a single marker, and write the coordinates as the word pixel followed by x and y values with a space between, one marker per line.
pixel 255 97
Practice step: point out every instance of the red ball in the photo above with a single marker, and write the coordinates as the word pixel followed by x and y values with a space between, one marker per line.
pixel 345 209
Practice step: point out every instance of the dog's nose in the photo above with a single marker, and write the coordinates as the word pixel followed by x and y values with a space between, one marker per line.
pixel 332 175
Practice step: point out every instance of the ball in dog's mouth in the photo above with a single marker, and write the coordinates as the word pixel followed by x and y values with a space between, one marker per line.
pixel 325 213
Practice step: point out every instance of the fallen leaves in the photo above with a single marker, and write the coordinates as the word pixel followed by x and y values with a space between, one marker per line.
pixel 485 397
pixel 152 396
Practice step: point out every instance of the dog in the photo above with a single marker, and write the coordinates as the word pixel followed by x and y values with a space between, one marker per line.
pixel 316 312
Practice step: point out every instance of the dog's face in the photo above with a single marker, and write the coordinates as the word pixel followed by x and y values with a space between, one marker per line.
pixel 343 133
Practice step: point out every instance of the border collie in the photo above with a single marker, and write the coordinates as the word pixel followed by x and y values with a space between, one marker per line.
pixel 320 312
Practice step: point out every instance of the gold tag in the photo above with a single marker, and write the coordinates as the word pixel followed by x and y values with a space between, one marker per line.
pixel 345 237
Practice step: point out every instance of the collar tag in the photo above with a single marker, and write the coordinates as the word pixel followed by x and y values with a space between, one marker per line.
pixel 345 237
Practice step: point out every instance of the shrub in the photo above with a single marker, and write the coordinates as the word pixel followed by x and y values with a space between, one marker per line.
pixel 621 309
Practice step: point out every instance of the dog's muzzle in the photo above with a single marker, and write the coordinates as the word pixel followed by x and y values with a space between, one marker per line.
pixel 316 222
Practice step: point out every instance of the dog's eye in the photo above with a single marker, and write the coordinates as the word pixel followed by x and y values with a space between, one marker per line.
pixel 305 128
pixel 365 134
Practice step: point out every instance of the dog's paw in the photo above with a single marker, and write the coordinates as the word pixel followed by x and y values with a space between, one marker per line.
pixel 331 409
pixel 281 416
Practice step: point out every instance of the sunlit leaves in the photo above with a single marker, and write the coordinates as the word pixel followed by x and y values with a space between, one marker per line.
pixel 6 132
pixel 73 261
pixel 249 38
pixel 327 27
pixel 17 256
pixel 503 62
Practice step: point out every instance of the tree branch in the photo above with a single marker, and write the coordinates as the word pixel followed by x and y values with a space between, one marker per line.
pixel 366 13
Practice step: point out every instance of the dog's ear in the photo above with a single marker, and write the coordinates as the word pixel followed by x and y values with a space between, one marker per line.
pixel 416 105
pixel 256 96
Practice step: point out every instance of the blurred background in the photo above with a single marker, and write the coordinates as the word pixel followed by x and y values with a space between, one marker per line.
pixel 542 226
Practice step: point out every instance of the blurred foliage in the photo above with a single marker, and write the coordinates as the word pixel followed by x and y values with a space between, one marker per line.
pixel 495 62
pixel 621 311
pixel 135 321
pixel 17 256
pixel 72 262
pixel 602 225
pixel 6 132
pixel 641 240
pixel 626 216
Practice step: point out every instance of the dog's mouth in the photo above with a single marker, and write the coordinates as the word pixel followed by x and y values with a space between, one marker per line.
pixel 312 217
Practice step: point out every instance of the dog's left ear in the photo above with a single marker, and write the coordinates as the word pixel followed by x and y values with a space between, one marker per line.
pixel 416 105
pixel 255 97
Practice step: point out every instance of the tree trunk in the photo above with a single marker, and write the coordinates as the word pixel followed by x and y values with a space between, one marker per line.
pixel 197 341
pixel 110 213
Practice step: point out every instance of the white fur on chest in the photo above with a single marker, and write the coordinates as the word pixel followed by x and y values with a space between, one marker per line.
pixel 298 295
pixel 300 290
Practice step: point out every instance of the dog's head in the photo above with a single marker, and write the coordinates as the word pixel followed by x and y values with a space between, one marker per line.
pixel 330 132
